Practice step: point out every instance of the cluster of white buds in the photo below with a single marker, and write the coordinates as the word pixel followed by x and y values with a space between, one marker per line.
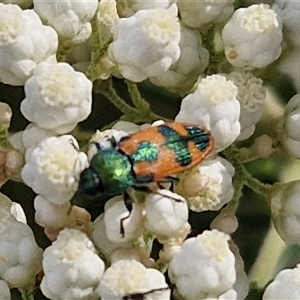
pixel 70 19
pixel 21 256
pixel 144 244
pixel 24 42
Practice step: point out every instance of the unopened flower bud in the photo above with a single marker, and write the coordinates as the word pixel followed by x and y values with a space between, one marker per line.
pixel 136 253
pixel 284 204
pixel 120 224
pixel 208 186
pixel 166 213
pixel 227 223
pixel 4 291
pixel 263 146
pixel 125 279
pixel 5 114
pixel 290 136
pixel 203 266
pixel 252 37
pixel 167 253
pixel 79 219
pixel 14 161
pixel 284 286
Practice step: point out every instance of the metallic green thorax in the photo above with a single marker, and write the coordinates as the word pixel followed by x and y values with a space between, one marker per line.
pixel 114 170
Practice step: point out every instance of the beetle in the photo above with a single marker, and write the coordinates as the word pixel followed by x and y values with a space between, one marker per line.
pixel 151 155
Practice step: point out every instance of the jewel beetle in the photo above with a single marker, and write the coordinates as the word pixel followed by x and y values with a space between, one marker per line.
pixel 150 155
pixel 154 154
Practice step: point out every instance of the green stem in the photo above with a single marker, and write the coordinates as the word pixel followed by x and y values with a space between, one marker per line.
pixel 64 48
pixel 106 88
pixel 95 52
pixel 161 266
pixel 26 294
pixel 232 154
pixel 98 51
pixel 4 140
pixel 232 206
pixel 130 113
pixel 246 155
pixel 136 97
pixel 140 103
pixel 256 185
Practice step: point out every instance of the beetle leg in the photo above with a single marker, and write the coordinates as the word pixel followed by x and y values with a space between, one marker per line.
pixel 168 179
pixel 146 189
pixel 172 179
pixel 128 204
pixel 142 188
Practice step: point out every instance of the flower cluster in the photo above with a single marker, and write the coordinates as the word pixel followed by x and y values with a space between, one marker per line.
pixel 154 176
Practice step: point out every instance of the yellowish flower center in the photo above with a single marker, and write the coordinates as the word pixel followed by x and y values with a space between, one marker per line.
pixel 259 18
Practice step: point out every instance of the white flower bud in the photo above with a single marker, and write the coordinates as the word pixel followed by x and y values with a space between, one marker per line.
pixel 241 285
pixel 228 295
pixel 120 224
pixel 286 285
pixel 18 212
pixel 70 18
pixel 20 256
pixel 76 217
pixel 101 241
pixel 153 34
pixel 13 208
pixel 104 140
pixel 128 8
pixel 284 204
pixel 5 114
pixel 34 135
pixel 139 254
pixel 48 214
pixel 53 105
pixel 52 168
pixel 128 127
pixel 168 252
pixel 107 17
pixel 204 266
pixel 72 268
pixel 24 42
pixel 251 95
pixel 193 60
pixel 290 136
pixel 252 37
pixel 12 162
pixel 208 186
pixel 201 14
pixel 217 109
pixel 289 14
pixel 262 146
pixel 127 278
pixel 289 65
pixel 4 291
pixel 225 222
pixel 165 213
